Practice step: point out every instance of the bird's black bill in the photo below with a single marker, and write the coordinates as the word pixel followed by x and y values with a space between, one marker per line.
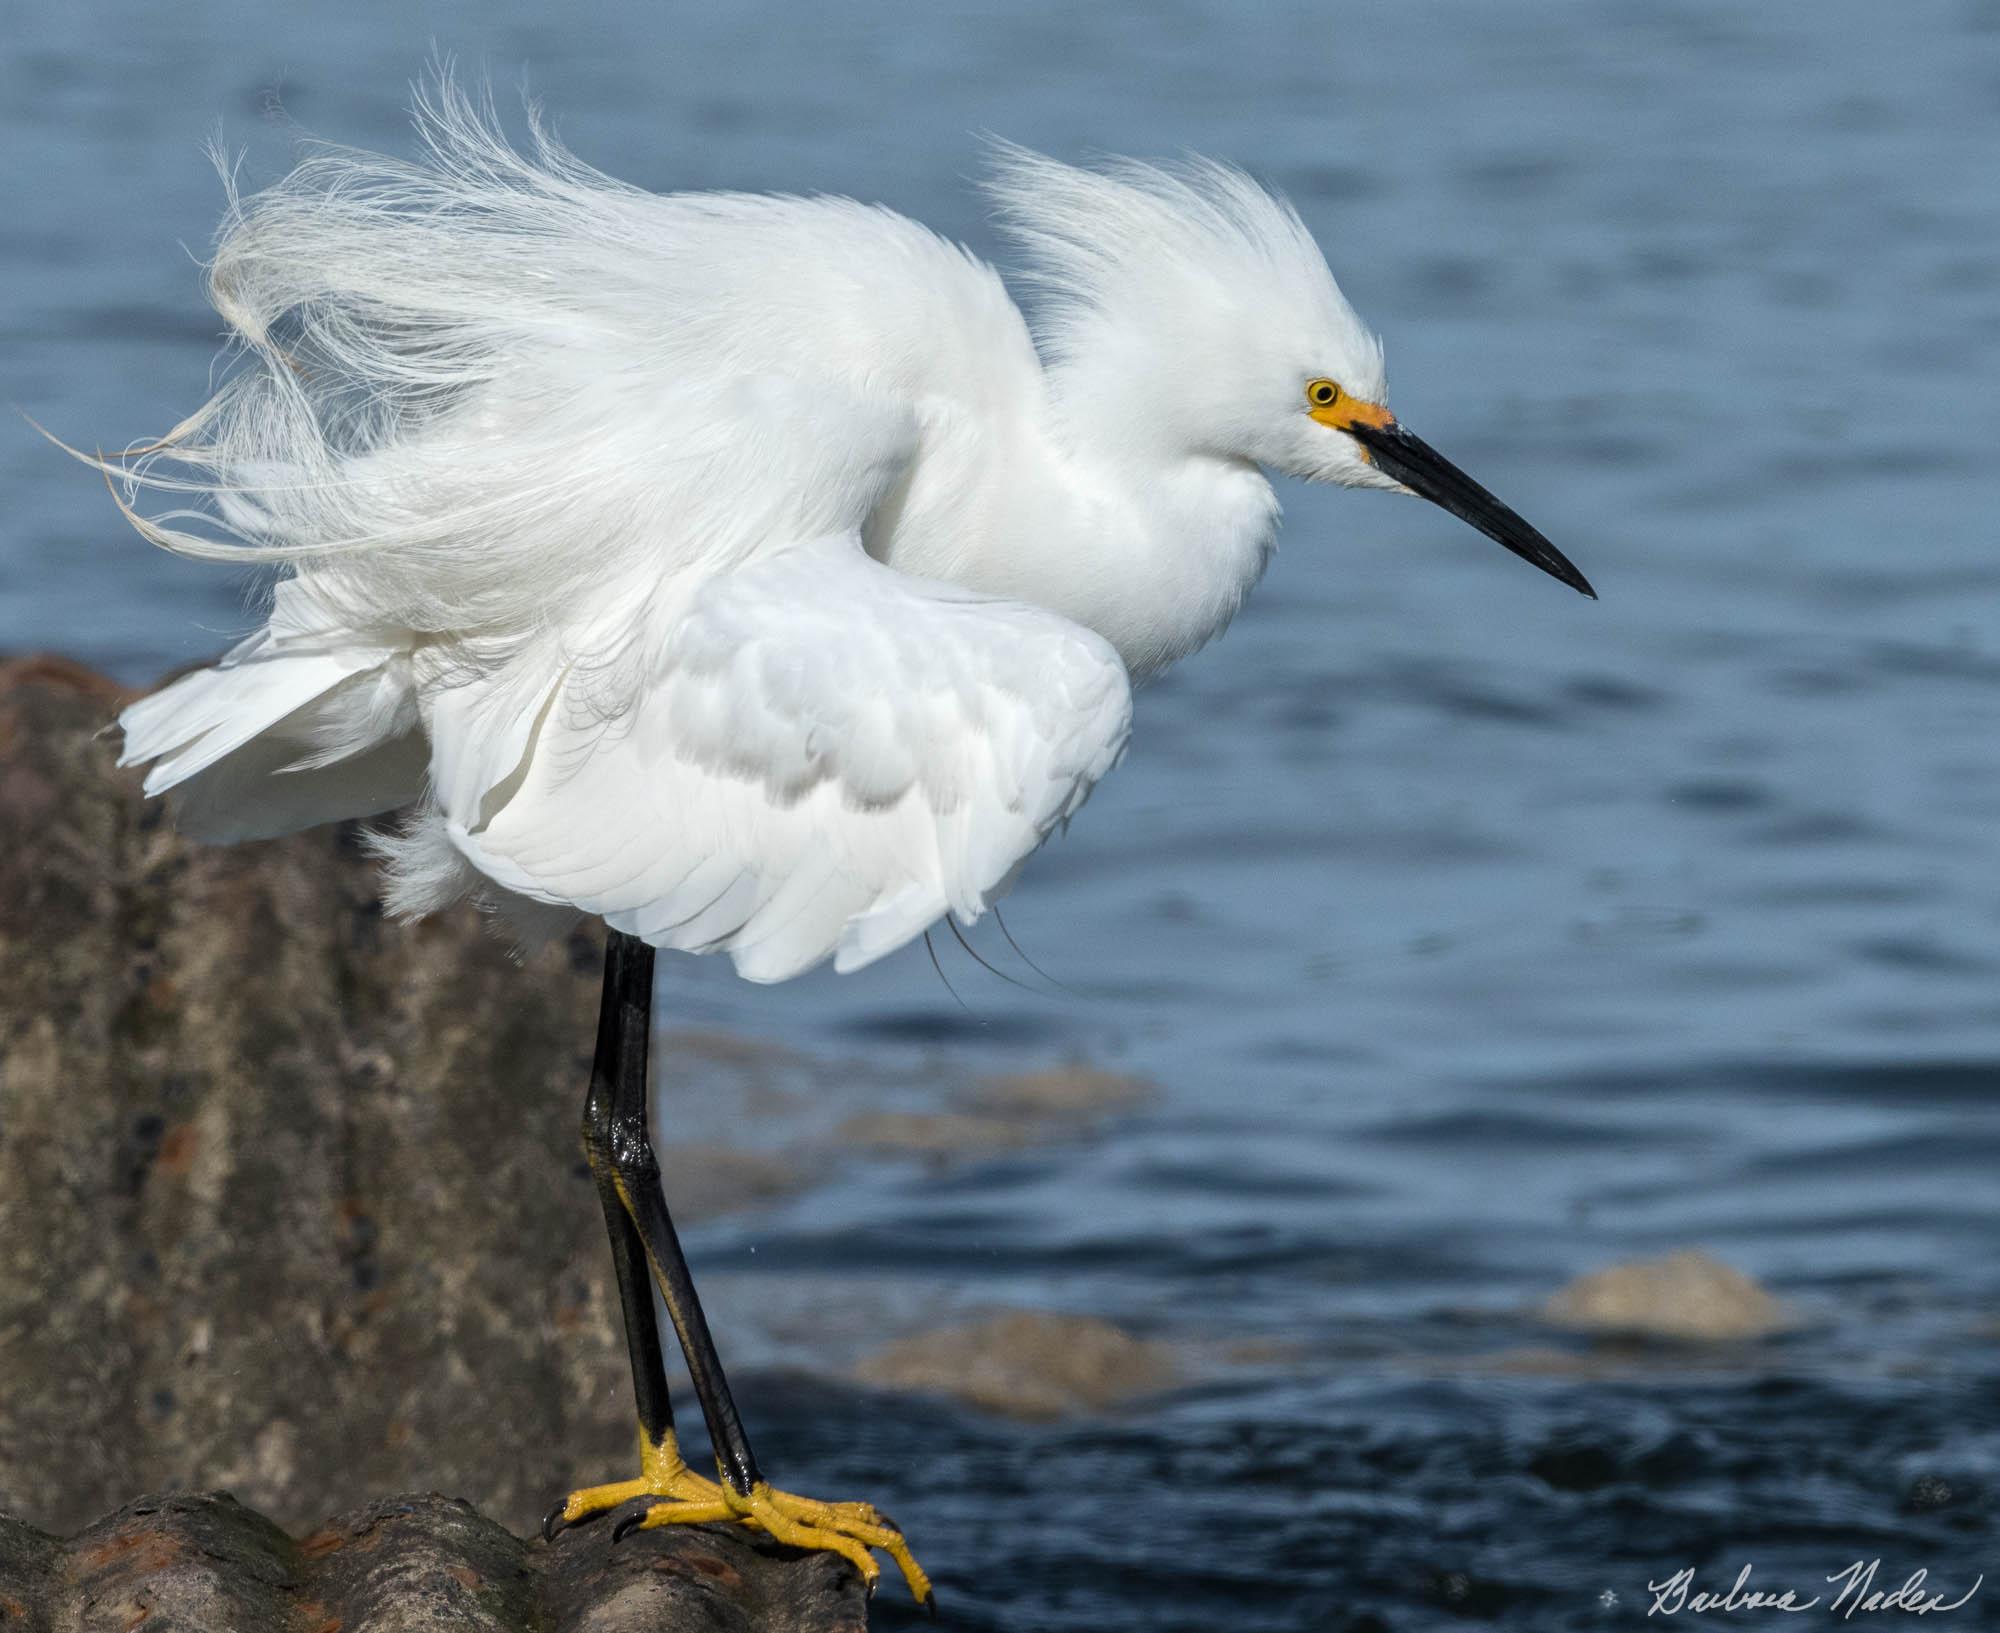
pixel 1424 471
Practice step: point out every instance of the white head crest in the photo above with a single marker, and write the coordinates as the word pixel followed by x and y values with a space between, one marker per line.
pixel 1190 297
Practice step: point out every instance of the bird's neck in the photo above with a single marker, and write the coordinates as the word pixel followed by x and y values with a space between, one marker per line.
pixel 1154 547
pixel 1173 539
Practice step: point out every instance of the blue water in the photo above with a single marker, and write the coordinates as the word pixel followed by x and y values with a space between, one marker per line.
pixel 1478 935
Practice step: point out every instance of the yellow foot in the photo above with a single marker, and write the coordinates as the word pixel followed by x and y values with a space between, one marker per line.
pixel 662 1475
pixel 847 1529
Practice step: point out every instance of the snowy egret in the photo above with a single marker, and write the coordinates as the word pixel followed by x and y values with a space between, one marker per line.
pixel 743 570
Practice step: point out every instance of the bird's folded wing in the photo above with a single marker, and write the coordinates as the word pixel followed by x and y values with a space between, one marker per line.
pixel 813 755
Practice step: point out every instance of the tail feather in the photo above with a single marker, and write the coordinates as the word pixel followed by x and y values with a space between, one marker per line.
pixel 190 725
pixel 254 794
pixel 295 727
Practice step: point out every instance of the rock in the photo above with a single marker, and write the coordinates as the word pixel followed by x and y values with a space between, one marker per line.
pixel 1024 1364
pixel 1686 1296
pixel 186 1563
pixel 1073 1093
pixel 291 1199
pixel 937 1134
pixel 1594 1362
pixel 1000 1114
pixel 702 1181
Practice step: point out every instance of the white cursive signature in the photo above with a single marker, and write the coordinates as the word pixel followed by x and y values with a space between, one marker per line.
pixel 1856 1591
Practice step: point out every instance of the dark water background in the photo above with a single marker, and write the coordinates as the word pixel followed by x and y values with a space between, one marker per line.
pixel 1478 935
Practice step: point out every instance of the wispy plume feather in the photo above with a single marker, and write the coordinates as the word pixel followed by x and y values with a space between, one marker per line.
pixel 420 351
pixel 1126 240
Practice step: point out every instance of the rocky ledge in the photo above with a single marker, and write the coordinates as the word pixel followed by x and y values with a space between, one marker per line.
pixel 206 1564
pixel 291 1200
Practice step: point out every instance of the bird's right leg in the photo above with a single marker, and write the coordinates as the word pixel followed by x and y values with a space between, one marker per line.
pixel 646 1252
pixel 617 1081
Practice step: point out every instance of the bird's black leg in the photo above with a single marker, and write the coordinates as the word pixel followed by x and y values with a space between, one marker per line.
pixel 643 1240
pixel 629 1182
pixel 618 1077
pixel 617 1085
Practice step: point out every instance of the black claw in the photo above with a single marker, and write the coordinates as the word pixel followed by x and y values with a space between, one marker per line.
pixel 552 1521
pixel 630 1523
pixel 930 1604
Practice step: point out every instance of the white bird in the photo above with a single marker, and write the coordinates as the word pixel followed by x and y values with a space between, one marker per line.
pixel 743 570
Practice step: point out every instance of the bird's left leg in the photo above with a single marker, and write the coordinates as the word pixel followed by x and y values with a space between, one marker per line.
pixel 848 1529
pixel 617 1084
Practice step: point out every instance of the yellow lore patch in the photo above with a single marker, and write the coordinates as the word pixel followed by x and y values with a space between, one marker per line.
pixel 1345 412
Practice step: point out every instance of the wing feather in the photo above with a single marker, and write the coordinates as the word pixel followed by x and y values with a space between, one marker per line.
pixel 812 756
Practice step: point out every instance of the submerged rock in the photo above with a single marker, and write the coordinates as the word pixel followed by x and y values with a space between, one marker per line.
pixel 1060 1093
pixel 1025 1364
pixel 1685 1296
pixel 187 1563
pixel 934 1134
pixel 702 1181
pixel 1001 1114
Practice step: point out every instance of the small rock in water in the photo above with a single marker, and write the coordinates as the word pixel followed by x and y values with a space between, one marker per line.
pixel 936 1134
pixel 1065 1092
pixel 1024 1364
pixel 999 1114
pixel 703 1180
pixel 1685 1296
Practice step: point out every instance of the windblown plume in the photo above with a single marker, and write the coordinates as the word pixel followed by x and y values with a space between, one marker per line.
pixel 431 353
pixel 1125 241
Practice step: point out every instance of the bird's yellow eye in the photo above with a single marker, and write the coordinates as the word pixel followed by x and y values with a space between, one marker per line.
pixel 1322 393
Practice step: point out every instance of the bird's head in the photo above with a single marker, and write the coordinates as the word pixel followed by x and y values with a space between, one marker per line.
pixel 1187 310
